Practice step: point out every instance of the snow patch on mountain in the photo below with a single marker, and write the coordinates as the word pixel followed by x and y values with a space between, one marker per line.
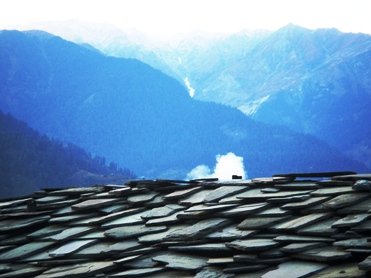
pixel 190 89
pixel 252 107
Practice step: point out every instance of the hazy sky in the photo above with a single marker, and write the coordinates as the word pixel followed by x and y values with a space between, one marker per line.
pixel 166 17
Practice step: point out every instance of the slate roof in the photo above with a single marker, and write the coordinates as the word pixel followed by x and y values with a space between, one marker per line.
pixel 288 225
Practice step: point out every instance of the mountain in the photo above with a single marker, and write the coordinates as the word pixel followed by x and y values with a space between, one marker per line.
pixel 138 116
pixel 30 161
pixel 312 81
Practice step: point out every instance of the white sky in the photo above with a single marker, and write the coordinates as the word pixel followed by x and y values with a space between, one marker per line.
pixel 166 17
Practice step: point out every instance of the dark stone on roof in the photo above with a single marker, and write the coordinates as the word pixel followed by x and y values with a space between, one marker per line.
pixel 210 228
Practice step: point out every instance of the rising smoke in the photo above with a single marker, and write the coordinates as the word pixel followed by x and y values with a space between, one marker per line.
pixel 226 166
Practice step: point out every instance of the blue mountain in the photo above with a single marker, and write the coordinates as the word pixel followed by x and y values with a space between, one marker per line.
pixel 139 117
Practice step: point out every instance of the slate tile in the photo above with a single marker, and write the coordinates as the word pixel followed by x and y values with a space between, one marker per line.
pixel 160 236
pixel 363 227
pixel 123 191
pixel 230 233
pixel 94 235
pixel 295 269
pixel 252 245
pixel 199 229
pixel 195 199
pixel 143 261
pixel 70 247
pixel 141 198
pixel 290 199
pixel 181 261
pixel 359 207
pixel 294 248
pixel 296 238
pixel 25 250
pixel 352 177
pixel 365 264
pixel 25 223
pixel 345 200
pixel 173 273
pixel 208 208
pixel 62 220
pixel 56 205
pixel 220 261
pixel 350 270
pixel 243 210
pixel 97 220
pixel 128 219
pixel 354 243
pixel 23 271
pixel 245 258
pixel 15 240
pixel 132 231
pixel 93 203
pixel 162 211
pixel 350 220
pixel 13 203
pixel 222 192
pixel 50 199
pixel 273 212
pixel 332 191
pixel 253 223
pixel 77 191
pixel 233 199
pixel 214 272
pixel 244 268
pixel 77 270
pixel 297 185
pixel 46 231
pixel 118 206
pixel 305 204
pixel 94 251
pixel 256 194
pixel 140 251
pixel 195 215
pixel 324 254
pixel 122 246
pixel 127 259
pixel 321 228
pixel 158 201
pixel 71 233
pixel 137 272
pixel 182 193
pixel 300 222
pixel 218 248
pixel 171 219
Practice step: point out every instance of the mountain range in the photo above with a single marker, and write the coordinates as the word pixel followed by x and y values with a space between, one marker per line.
pixel 30 161
pixel 313 81
pixel 140 117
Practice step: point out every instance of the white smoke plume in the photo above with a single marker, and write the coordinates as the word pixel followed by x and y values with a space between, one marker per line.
pixel 226 166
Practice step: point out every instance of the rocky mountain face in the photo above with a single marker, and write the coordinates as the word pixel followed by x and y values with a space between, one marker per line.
pixel 138 116
pixel 312 81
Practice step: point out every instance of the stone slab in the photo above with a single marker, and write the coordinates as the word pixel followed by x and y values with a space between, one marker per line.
pixel 253 223
pixel 132 231
pixel 301 222
pixel 252 245
pixel 223 192
pixel 324 254
pixel 181 261
pixel 71 247
pixel 295 269
pixel 199 229
pixel 350 220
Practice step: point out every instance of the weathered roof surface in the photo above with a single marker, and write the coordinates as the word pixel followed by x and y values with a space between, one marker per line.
pixel 287 225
